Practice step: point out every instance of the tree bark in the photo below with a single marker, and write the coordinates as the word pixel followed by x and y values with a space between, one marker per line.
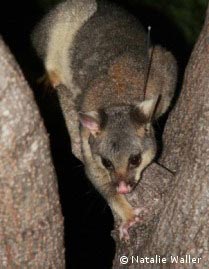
pixel 31 223
pixel 177 217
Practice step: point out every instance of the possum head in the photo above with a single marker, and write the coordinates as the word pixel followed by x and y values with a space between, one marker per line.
pixel 122 141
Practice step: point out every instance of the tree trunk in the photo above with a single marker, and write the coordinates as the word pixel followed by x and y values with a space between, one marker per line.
pixel 31 223
pixel 177 219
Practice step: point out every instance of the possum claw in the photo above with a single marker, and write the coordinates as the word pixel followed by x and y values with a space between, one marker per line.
pixel 125 225
pixel 123 229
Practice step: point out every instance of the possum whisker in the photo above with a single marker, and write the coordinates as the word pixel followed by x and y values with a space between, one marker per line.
pixel 163 166
pixel 78 166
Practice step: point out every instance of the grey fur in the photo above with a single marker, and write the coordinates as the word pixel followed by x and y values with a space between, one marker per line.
pixel 121 140
pixel 111 32
pixel 98 52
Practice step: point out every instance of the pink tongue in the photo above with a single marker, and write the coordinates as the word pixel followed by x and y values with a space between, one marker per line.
pixel 123 188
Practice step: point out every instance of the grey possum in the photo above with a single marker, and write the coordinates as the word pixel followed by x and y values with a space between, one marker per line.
pixel 98 51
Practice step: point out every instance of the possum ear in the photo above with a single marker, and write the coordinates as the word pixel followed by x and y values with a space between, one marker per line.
pixel 90 120
pixel 147 107
pixel 144 111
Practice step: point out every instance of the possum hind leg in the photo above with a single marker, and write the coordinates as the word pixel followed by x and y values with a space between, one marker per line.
pixel 50 78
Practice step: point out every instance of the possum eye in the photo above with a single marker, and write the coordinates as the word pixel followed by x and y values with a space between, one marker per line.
pixel 135 160
pixel 107 164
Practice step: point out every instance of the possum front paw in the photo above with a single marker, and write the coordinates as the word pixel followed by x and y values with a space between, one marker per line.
pixel 126 224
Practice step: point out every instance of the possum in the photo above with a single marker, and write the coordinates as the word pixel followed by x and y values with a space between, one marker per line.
pixel 98 51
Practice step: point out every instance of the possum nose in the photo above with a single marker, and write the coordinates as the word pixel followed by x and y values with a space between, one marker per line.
pixel 123 188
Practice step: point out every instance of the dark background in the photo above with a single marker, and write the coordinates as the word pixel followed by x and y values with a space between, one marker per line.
pixel 88 220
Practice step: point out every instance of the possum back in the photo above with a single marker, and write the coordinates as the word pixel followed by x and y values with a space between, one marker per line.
pixel 98 51
pixel 111 38
pixel 109 33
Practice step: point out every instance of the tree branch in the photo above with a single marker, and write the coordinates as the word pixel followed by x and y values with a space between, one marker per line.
pixel 31 223
pixel 180 225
